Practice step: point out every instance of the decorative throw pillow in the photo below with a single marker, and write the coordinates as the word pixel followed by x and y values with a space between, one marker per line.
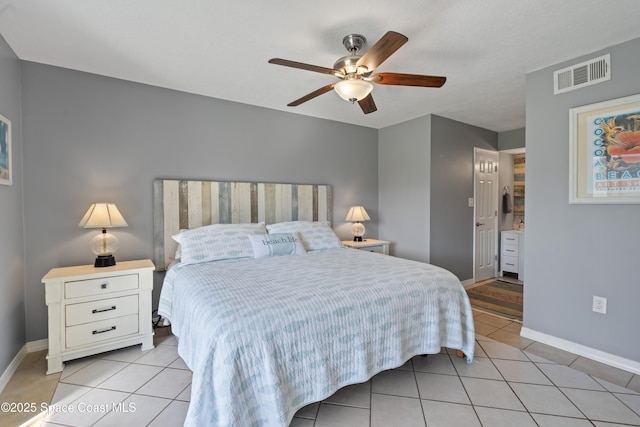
pixel 217 241
pixel 276 244
pixel 315 235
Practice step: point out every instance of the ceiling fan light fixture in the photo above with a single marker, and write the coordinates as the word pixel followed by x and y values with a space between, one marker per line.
pixel 353 89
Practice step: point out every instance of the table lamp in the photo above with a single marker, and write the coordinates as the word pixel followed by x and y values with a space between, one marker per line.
pixel 357 214
pixel 104 245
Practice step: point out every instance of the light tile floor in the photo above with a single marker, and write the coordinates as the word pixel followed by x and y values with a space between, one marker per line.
pixel 512 382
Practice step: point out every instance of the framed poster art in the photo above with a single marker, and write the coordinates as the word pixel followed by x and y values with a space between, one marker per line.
pixel 5 151
pixel 604 152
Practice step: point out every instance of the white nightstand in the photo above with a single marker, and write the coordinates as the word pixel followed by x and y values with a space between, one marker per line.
pixel 92 310
pixel 370 245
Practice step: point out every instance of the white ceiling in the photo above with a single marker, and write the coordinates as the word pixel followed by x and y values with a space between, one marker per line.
pixel 221 48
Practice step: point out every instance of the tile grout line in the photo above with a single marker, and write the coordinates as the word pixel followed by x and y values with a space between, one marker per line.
pixel 466 392
pixel 415 380
pixel 553 384
pixel 129 394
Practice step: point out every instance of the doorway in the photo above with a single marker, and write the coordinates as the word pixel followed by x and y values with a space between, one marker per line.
pixel 511 178
pixel 511 219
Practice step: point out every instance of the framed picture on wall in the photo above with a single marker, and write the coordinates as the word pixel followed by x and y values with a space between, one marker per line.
pixel 5 151
pixel 604 152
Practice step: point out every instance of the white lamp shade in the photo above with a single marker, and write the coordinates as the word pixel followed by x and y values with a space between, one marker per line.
pixel 357 214
pixel 353 89
pixel 102 215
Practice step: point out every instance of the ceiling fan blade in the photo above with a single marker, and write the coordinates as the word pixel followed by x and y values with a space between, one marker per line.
pixel 311 95
pixel 302 66
pixel 367 104
pixel 399 79
pixel 384 48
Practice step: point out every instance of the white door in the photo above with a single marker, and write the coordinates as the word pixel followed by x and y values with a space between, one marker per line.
pixel 486 214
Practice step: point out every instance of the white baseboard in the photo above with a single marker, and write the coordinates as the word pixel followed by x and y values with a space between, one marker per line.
pixel 584 351
pixel 29 347
pixel 12 368
pixel 37 345
pixel 468 282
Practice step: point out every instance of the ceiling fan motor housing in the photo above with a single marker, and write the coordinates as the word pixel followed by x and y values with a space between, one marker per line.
pixel 354 42
pixel 348 65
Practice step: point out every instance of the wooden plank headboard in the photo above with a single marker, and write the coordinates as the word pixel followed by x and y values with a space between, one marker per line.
pixel 181 204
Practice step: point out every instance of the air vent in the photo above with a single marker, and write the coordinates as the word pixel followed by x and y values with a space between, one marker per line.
pixel 584 74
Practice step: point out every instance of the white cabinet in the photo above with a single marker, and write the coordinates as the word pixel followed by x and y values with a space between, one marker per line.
pixel 512 253
pixel 92 310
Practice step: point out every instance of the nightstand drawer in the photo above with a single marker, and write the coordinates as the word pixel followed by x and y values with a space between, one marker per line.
pixel 510 250
pixel 83 288
pixel 94 311
pixel 510 264
pixel 90 333
pixel 510 238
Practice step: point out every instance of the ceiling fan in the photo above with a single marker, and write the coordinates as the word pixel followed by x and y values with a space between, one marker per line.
pixel 356 71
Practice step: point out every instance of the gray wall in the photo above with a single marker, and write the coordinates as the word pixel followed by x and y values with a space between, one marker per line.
pixel 404 187
pixel 426 179
pixel 452 220
pixel 511 139
pixel 12 315
pixel 90 138
pixel 577 251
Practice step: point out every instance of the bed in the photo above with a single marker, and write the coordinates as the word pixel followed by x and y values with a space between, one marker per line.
pixel 267 332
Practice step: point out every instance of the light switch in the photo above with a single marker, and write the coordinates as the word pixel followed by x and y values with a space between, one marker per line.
pixel 470 202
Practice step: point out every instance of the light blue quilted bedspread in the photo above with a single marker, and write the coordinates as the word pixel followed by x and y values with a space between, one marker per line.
pixel 265 337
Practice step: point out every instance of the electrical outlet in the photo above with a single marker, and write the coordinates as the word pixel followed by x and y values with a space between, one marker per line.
pixel 599 305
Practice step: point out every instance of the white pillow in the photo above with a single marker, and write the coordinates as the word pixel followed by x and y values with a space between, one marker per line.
pixel 178 254
pixel 217 241
pixel 315 235
pixel 276 244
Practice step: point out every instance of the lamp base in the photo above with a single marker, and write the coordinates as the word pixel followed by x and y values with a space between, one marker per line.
pixel 105 261
pixel 357 229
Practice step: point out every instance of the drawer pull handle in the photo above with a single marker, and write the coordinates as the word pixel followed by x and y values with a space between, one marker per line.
pixel 509 250
pixel 102 310
pixel 104 285
pixel 102 331
pixel 510 264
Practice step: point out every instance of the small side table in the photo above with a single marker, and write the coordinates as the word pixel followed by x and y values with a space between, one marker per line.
pixel 92 310
pixel 371 245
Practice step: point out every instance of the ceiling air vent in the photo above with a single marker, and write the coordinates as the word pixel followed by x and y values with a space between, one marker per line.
pixel 584 74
